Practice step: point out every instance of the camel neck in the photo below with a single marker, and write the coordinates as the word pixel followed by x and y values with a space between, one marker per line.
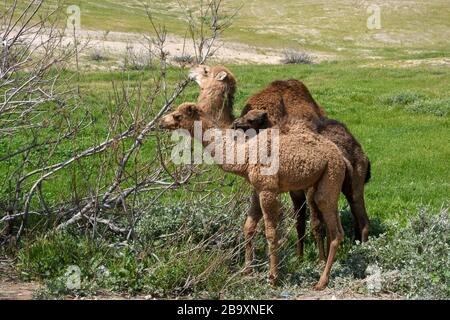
pixel 217 104
pixel 208 140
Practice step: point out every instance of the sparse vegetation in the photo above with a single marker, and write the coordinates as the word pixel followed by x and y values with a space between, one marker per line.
pixel 160 235
pixel 137 59
pixel 292 56
pixel 98 56
pixel 417 103
pixel 183 59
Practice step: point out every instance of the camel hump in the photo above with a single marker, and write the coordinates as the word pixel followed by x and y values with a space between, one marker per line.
pixel 285 98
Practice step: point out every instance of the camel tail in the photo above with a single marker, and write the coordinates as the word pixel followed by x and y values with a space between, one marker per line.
pixel 368 176
pixel 348 169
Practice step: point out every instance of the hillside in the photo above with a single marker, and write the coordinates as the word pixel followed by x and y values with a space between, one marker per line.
pixel 415 28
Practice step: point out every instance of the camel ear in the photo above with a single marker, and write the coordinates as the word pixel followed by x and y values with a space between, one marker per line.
pixel 221 76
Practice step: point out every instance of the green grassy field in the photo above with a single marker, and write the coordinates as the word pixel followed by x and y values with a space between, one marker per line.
pixel 408 148
pixel 399 114
pixel 407 143
pixel 338 27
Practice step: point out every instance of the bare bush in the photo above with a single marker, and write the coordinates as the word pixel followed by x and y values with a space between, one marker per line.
pixel 292 56
pixel 183 60
pixel 138 59
pixel 98 56
pixel 111 183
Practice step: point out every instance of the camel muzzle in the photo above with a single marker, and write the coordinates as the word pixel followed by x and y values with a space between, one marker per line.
pixel 240 125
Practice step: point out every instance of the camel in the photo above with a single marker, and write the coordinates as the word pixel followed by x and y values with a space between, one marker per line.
pixel 307 161
pixel 291 99
pixel 338 133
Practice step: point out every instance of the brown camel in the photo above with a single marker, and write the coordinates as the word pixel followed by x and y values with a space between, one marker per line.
pixel 334 131
pixel 306 160
pixel 292 99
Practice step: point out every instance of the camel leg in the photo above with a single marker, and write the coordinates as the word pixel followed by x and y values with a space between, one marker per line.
pixel 326 198
pixel 358 205
pixel 298 199
pixel 355 197
pixel 251 222
pixel 316 224
pixel 271 211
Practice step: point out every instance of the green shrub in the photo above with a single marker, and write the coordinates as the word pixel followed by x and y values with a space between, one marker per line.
pixel 176 222
pixel 437 107
pixel 414 260
pixel 49 256
pixel 183 59
pixel 417 103
pixel 402 98
pixel 292 56
pixel 167 271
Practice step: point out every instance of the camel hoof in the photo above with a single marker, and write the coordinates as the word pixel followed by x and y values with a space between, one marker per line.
pixel 320 286
pixel 273 281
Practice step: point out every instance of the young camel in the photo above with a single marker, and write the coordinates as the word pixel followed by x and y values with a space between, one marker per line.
pixel 305 161
pixel 328 128
pixel 291 99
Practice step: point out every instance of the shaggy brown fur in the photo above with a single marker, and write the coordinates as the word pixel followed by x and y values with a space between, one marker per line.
pixel 285 98
pixel 353 187
pixel 281 101
pixel 306 161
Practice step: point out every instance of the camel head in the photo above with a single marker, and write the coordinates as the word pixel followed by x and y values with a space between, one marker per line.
pixel 182 118
pixel 206 76
pixel 254 119
pixel 215 81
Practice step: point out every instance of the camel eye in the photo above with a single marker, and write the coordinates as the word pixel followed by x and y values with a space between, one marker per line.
pixel 205 71
pixel 177 117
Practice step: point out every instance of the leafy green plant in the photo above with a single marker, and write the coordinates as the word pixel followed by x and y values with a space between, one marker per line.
pixel 415 259
pixel 402 98
pixel 437 107
pixel 165 222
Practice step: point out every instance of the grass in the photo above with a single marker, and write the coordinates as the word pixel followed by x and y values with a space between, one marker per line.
pixel 409 151
pixel 338 27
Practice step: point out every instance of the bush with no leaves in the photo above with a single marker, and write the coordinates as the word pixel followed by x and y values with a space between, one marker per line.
pixel 292 56
pixel 183 59
pixel 97 56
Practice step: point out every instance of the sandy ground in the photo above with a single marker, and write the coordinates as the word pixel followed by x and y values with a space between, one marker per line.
pixel 12 288
pixel 117 43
